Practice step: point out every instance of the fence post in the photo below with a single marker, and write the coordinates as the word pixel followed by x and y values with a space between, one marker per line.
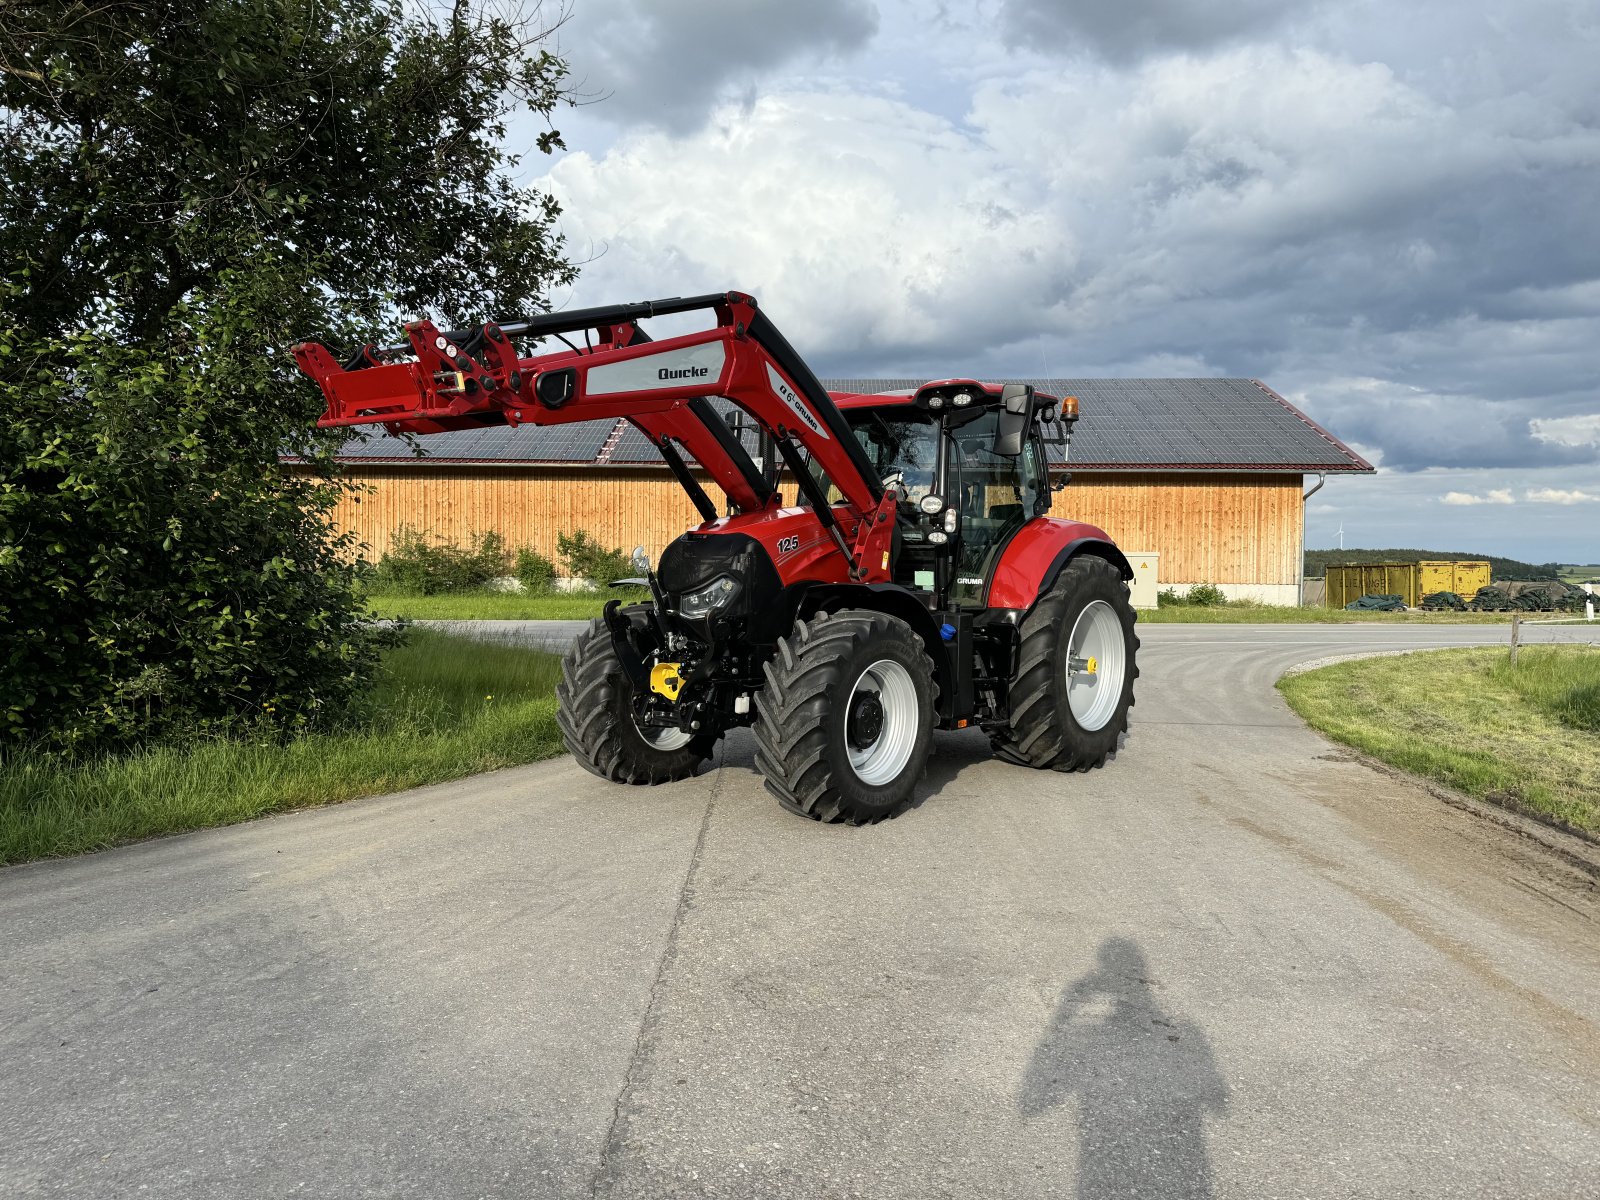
pixel 1516 623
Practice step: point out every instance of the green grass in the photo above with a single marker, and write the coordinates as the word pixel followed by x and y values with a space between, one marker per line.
pixel 1581 574
pixel 503 606
pixel 1270 614
pixel 499 606
pixel 1527 737
pixel 445 707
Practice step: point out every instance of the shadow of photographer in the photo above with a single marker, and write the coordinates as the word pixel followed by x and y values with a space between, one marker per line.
pixel 1144 1082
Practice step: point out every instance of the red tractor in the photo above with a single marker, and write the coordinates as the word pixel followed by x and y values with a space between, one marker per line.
pixel 917 584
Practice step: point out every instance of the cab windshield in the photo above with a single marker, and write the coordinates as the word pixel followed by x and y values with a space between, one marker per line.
pixel 903 448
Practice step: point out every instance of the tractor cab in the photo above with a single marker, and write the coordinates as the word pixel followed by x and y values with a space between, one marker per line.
pixel 968 469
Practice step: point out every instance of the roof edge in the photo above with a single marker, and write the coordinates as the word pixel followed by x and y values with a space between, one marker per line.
pixel 1363 467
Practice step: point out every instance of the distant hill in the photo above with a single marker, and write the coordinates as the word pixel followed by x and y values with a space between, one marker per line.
pixel 1317 561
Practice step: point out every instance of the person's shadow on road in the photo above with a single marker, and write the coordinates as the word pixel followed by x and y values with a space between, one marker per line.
pixel 1144 1082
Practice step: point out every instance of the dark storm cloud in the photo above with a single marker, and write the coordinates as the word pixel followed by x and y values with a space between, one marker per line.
pixel 1125 31
pixel 667 62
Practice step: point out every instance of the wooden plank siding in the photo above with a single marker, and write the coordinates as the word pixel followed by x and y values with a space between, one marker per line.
pixel 1208 528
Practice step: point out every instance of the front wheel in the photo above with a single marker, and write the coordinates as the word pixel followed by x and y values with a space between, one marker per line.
pixel 845 719
pixel 1075 671
pixel 594 707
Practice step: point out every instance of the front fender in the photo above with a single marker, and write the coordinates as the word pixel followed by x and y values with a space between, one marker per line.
pixel 1031 561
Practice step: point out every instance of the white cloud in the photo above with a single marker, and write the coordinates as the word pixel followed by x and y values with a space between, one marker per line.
pixel 859 222
pixel 1582 430
pixel 1498 496
pixel 1561 496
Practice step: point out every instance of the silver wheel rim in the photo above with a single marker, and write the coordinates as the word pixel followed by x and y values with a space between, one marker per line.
pixel 665 740
pixel 1097 643
pixel 889 753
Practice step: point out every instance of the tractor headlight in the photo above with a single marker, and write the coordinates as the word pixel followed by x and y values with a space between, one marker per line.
pixel 702 602
pixel 931 503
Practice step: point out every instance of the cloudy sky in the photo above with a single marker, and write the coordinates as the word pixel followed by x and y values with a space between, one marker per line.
pixel 1389 212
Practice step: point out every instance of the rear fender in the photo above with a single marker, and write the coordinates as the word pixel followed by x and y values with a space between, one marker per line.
pixel 1030 563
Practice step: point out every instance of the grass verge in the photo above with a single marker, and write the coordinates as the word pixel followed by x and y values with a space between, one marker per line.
pixel 1270 614
pixel 445 707
pixel 499 606
pixel 1526 737
pixel 580 606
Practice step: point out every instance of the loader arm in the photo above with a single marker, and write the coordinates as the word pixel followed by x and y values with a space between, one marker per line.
pixel 462 379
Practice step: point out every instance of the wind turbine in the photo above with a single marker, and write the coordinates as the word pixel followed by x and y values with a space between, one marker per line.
pixel 1341 535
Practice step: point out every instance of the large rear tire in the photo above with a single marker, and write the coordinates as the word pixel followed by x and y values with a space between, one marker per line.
pixel 594 707
pixel 1075 672
pixel 844 722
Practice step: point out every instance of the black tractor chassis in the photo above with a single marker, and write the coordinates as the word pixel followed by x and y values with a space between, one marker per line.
pixel 974 656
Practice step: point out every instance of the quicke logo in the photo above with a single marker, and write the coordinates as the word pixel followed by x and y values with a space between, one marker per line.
pixel 683 372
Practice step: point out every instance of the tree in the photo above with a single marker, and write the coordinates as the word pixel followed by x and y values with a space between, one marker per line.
pixel 187 188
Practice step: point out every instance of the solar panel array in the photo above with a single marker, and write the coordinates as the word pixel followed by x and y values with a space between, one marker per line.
pixel 577 443
pixel 1127 424
pixel 634 447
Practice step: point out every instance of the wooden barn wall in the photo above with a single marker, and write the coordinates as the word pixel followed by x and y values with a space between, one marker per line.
pixel 527 506
pixel 1207 528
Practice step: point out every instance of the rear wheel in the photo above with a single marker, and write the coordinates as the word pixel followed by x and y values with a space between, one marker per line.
pixel 1075 672
pixel 594 707
pixel 845 719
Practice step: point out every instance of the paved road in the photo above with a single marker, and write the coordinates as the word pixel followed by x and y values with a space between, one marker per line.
pixel 1233 963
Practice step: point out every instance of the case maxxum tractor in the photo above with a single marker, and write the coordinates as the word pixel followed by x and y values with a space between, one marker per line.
pixel 915 583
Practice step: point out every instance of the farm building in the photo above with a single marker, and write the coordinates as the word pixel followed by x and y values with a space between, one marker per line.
pixel 1209 474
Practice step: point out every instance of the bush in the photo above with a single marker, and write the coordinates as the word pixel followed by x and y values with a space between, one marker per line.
pixel 161 574
pixel 415 564
pixel 534 571
pixel 1206 595
pixel 587 559
pixel 1171 598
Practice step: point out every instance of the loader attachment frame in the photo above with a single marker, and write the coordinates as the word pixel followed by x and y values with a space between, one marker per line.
pixel 462 379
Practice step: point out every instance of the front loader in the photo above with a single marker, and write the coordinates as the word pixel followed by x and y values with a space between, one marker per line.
pixel 915 584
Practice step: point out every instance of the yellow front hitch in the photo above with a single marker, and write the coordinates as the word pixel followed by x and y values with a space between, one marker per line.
pixel 665 680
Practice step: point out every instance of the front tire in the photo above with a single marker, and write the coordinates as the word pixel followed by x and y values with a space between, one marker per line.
pixel 594 707
pixel 844 722
pixel 1075 671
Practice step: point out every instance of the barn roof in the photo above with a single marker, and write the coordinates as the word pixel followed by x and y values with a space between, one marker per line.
pixel 1127 425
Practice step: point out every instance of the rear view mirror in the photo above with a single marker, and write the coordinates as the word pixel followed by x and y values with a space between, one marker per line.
pixel 1016 419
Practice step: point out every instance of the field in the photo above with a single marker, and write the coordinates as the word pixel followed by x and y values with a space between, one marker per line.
pixel 1526 737
pixel 445 707
pixel 1268 614
pixel 504 606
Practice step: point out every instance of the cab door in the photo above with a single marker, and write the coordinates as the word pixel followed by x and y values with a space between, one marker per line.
pixel 996 496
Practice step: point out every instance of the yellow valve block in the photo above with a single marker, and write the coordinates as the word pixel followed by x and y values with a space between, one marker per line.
pixel 665 680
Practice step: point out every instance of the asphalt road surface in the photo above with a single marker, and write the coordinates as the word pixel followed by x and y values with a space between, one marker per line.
pixel 1234 963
